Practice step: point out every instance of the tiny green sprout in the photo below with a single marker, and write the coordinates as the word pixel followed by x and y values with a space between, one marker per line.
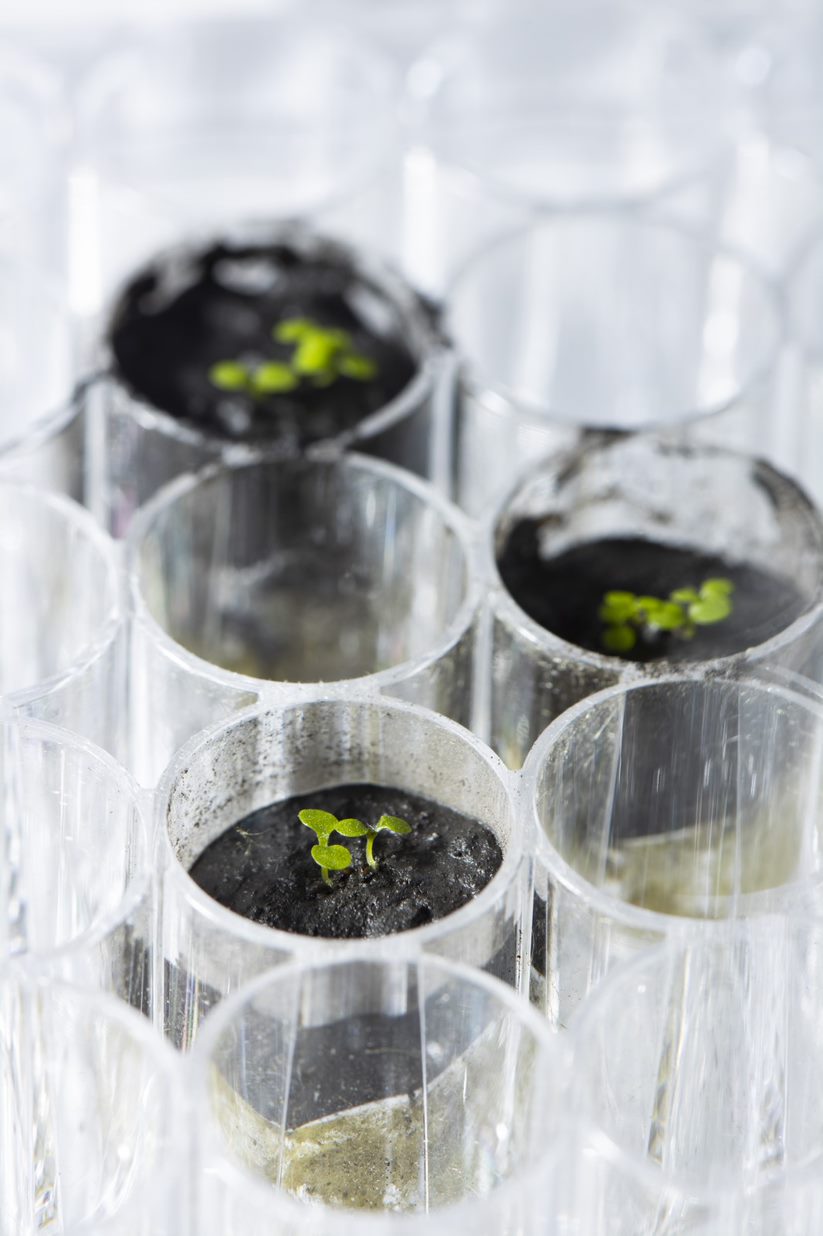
pixel 619 638
pixel 338 857
pixel 360 368
pixel 323 353
pixel 230 376
pixel 272 378
pixel 617 607
pixel 328 857
pixel 316 354
pixel 666 616
pixel 351 828
pixel 292 330
pixel 331 858
pixel 711 608
pixel 269 378
pixel 386 823
pixel 624 615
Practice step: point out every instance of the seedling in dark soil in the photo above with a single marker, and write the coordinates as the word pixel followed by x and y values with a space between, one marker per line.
pixel 625 616
pixel 387 823
pixel 338 857
pixel 270 378
pixel 321 355
pixel 323 824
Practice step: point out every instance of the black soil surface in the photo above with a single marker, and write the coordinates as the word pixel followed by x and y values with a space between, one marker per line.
pixel 261 867
pixel 564 593
pixel 180 317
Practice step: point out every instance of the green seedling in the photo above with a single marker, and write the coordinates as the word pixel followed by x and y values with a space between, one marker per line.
pixel 338 857
pixel 328 857
pixel 386 823
pixel 270 378
pixel 322 354
pixel 229 376
pixel 625 615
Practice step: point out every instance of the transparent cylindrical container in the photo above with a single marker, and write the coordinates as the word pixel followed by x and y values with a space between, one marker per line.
pixel 698 499
pixel 605 320
pixel 284 577
pixel 803 365
pixel 63 647
pixel 33 175
pixel 658 806
pixel 266 755
pixel 783 92
pixel 135 447
pixel 77 869
pixel 195 123
pixel 378 1095
pixel 41 421
pixel 699 1066
pixel 768 204
pixel 566 105
pixel 93 1136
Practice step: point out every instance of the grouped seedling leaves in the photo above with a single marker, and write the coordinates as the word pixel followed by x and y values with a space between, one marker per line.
pixel 270 378
pixel 321 355
pixel 626 616
pixel 338 857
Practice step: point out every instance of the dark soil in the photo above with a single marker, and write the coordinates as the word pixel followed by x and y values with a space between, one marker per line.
pixel 178 318
pixel 564 593
pixel 261 867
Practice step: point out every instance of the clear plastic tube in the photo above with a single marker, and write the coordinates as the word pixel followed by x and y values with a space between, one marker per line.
pixel 63 652
pixel 135 448
pixel 279 579
pixel 93 1137
pixel 606 320
pixel 657 806
pixel 697 1065
pixel 378 1096
pixel 41 421
pixel 694 498
pixel 78 878
pixel 265 755
pixel 200 123
pixel 571 105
